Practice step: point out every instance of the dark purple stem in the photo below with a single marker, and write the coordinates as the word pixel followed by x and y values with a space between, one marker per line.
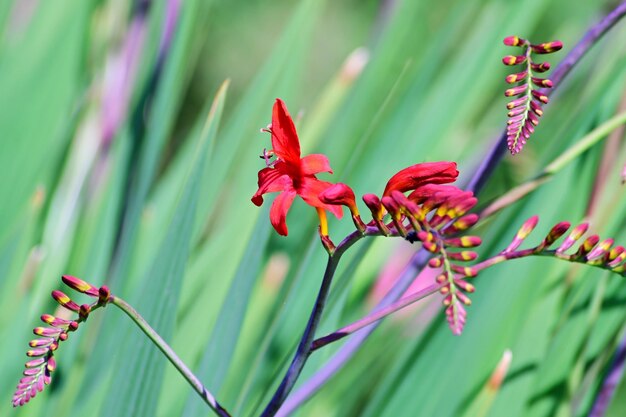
pixel 347 351
pixel 304 346
pixel 610 383
pixel 496 153
pixel 375 316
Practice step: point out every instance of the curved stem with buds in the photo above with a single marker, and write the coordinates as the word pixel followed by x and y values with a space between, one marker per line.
pixel 432 289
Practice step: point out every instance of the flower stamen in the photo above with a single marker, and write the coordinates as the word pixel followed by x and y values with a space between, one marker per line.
pixel 267 156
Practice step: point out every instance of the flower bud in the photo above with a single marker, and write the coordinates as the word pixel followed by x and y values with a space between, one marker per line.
pixel 80 285
pixel 547 47
pixel 65 301
pixel 574 235
pixel 514 41
pixel 373 203
pixel 514 60
pixel 340 194
pixel 513 78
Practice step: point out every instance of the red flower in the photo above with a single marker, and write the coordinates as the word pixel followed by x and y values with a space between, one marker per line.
pixel 290 174
pixel 415 176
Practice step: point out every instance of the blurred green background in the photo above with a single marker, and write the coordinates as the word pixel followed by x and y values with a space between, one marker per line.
pixel 118 170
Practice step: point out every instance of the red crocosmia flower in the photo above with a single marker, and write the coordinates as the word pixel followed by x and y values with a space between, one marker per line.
pixel 292 175
pixel 419 175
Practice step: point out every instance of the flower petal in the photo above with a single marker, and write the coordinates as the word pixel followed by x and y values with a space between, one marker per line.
pixel 285 141
pixel 420 174
pixel 314 164
pixel 310 189
pixel 421 194
pixel 270 181
pixel 279 209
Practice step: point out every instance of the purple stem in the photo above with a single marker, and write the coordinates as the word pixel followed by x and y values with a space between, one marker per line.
pixel 496 153
pixel 374 317
pixel 120 79
pixel 304 347
pixel 311 386
pixel 171 19
pixel 412 298
pixel 610 383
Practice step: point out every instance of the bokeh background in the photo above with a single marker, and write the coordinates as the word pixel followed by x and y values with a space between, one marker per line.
pixel 123 162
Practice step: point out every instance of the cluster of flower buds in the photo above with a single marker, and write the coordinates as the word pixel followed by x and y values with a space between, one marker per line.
pixel 440 235
pixel 591 251
pixel 42 363
pixel 526 108
pixel 434 214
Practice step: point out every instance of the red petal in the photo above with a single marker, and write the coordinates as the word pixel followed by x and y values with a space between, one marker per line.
pixel 270 181
pixel 311 188
pixel 314 164
pixel 279 209
pixel 421 174
pixel 285 141
pixel 427 191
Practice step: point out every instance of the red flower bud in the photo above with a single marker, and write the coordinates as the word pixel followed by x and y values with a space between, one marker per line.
pixel 514 60
pixel 373 203
pixel 64 301
pixel 80 285
pixel 419 175
pixel 543 67
pixel 547 47
pixel 514 41
pixel 340 194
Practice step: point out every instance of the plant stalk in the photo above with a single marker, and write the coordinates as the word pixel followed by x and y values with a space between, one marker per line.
pixel 170 355
pixel 375 316
pixel 304 346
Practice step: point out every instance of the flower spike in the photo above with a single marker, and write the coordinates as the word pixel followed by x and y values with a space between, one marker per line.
pixel 590 252
pixel 437 214
pixel 39 370
pixel 525 110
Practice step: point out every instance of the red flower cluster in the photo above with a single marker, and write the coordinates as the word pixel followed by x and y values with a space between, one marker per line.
pixel 432 213
pixel 293 175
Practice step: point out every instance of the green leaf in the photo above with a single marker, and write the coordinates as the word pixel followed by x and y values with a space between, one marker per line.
pixel 139 368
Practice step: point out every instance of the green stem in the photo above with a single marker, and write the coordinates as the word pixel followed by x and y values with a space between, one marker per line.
pixel 171 355
pixel 555 166
pixel 585 143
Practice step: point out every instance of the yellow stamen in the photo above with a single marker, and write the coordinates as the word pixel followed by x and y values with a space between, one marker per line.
pixel 323 221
